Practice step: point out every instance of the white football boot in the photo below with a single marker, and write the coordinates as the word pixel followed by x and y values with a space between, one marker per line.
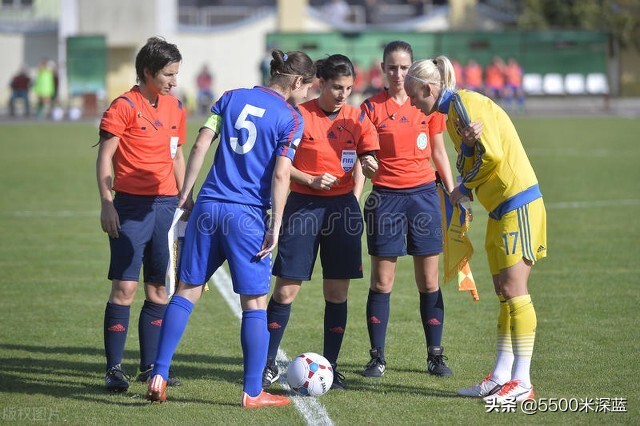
pixel 512 391
pixel 487 387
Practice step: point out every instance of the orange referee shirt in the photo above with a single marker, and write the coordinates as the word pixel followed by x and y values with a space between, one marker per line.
pixel 405 135
pixel 149 138
pixel 513 75
pixel 332 145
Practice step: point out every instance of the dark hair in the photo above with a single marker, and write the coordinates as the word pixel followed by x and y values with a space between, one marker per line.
pixel 334 66
pixel 286 66
pixel 395 46
pixel 154 56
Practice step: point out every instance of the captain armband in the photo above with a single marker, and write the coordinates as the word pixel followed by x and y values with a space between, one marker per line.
pixel 214 122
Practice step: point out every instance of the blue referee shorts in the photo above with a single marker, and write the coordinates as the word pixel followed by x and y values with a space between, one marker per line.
pixel 219 231
pixel 142 241
pixel 404 221
pixel 332 224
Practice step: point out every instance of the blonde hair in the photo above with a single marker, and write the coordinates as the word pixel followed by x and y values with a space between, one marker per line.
pixel 435 71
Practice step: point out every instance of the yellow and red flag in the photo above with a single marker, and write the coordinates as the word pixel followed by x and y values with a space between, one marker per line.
pixel 457 247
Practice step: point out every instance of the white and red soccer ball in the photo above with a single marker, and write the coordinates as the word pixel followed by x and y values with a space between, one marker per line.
pixel 310 374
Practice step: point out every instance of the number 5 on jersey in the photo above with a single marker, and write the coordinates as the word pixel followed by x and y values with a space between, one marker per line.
pixel 243 123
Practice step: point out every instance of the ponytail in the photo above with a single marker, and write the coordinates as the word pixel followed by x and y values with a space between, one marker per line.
pixel 435 71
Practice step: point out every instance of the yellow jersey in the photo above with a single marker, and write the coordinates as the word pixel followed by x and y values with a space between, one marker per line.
pixel 497 167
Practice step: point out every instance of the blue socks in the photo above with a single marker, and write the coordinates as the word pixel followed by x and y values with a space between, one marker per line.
pixel 277 319
pixel 254 338
pixel 149 326
pixel 335 322
pixel 432 314
pixel 378 308
pixel 175 321
pixel 116 325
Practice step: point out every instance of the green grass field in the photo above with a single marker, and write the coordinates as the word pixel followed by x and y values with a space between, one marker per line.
pixel 53 289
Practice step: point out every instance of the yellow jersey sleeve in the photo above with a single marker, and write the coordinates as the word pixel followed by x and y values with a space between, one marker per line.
pixel 497 167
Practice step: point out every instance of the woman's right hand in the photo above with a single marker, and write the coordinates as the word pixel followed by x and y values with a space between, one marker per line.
pixel 185 203
pixel 109 219
pixel 324 181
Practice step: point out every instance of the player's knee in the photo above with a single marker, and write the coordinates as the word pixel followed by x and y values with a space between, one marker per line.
pixel 123 292
pixel 159 297
pixel 285 294
pixel 382 284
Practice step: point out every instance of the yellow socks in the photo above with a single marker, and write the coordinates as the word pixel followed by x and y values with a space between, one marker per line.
pixel 523 333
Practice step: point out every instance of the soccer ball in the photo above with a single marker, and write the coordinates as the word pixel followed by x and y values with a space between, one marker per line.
pixel 310 374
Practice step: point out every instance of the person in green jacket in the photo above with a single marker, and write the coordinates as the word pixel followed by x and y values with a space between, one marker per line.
pixel 44 88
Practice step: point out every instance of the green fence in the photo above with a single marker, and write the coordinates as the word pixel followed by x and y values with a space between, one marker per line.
pixel 86 64
pixel 538 52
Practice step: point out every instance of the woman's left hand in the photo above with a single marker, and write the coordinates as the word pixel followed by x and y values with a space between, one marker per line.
pixel 369 165
pixel 471 133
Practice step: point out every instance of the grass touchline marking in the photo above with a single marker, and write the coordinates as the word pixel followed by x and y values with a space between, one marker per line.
pixel 312 411
pixel 593 203
pixel 550 205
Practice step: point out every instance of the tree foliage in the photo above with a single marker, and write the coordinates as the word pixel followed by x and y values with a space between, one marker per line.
pixel 620 18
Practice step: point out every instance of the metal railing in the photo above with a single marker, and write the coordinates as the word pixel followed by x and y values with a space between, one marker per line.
pixel 19 18
pixel 218 15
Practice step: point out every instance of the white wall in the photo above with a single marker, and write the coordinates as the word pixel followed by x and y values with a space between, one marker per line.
pixel 124 22
pixel 17 50
pixel 233 56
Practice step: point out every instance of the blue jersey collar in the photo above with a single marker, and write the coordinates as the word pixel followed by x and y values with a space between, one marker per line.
pixel 444 100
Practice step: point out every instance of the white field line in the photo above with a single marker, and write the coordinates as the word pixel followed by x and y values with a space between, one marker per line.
pixel 592 204
pixel 554 205
pixel 56 213
pixel 313 412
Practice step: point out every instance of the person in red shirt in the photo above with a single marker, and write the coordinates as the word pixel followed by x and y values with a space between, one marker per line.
pixel 20 85
pixel 473 76
pixel 513 87
pixel 205 96
pixel 322 211
pixel 141 137
pixel 494 89
pixel 459 70
pixel 403 210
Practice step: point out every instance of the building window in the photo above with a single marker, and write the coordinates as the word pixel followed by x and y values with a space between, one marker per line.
pixel 17 3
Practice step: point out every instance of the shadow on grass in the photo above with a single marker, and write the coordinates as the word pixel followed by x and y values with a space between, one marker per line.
pixel 84 380
pixel 357 382
pixel 363 384
pixel 80 379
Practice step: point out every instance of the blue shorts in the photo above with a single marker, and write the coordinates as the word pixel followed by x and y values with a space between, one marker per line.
pixel 404 221
pixel 144 224
pixel 219 231
pixel 333 224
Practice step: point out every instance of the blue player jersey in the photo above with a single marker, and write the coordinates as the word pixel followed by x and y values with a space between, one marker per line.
pixel 257 125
